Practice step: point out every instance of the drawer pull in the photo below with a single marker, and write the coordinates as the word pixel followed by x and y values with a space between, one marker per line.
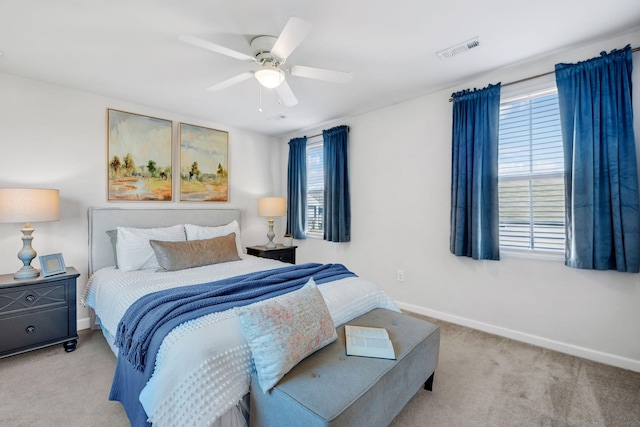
pixel 31 329
pixel 30 298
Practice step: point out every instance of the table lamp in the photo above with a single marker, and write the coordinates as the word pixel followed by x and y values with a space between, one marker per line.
pixel 28 205
pixel 272 206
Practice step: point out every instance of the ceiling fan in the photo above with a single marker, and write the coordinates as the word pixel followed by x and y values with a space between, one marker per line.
pixel 270 53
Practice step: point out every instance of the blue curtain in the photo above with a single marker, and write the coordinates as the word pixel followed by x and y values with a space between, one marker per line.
pixel 601 177
pixel 297 188
pixel 474 173
pixel 337 204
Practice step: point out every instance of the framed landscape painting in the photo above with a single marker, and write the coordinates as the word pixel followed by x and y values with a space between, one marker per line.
pixel 204 162
pixel 139 150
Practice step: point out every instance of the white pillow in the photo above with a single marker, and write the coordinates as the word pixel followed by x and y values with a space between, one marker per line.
pixel 134 252
pixel 199 232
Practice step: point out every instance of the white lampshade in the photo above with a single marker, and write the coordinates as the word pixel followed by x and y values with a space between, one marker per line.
pixel 272 206
pixel 29 205
pixel 269 76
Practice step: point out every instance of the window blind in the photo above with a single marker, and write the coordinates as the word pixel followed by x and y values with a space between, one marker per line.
pixel 315 188
pixel 531 173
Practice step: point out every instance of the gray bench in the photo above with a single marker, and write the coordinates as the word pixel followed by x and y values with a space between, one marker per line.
pixel 330 388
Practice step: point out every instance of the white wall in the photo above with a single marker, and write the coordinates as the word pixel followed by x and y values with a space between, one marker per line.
pixel 53 137
pixel 400 175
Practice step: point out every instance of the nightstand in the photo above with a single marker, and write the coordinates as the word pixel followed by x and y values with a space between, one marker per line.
pixel 280 252
pixel 38 312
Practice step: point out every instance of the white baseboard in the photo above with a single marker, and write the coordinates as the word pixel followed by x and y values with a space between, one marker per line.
pixel 574 350
pixel 85 323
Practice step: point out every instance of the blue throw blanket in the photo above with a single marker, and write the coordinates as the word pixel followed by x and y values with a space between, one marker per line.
pixel 152 317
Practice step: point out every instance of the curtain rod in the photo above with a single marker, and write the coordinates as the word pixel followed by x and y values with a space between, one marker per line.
pixel 313 136
pixel 633 50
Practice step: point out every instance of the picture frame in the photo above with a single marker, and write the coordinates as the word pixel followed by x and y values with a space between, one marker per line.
pixel 204 164
pixel 51 265
pixel 139 157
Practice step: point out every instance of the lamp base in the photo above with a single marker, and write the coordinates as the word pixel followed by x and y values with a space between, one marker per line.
pixel 270 235
pixel 27 272
pixel 26 255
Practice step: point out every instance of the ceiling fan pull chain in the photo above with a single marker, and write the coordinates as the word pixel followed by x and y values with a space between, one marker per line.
pixel 260 97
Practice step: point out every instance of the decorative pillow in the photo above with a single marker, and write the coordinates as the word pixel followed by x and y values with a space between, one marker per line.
pixel 195 253
pixel 134 251
pixel 282 331
pixel 199 232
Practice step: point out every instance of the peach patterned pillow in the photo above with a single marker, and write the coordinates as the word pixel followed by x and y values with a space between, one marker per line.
pixel 282 331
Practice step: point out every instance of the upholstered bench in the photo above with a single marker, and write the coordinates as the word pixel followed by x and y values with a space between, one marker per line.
pixel 330 388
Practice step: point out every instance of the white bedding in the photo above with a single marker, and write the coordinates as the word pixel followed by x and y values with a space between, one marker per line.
pixel 203 366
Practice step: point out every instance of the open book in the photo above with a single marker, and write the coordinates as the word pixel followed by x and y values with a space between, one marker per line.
pixel 369 342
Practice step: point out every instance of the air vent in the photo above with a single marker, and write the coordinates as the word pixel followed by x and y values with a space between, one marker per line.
pixel 458 49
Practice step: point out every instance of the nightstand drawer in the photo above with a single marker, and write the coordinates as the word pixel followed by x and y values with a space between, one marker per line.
pixel 34 328
pixel 284 256
pixel 32 296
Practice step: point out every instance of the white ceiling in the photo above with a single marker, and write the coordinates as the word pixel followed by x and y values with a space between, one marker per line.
pixel 129 49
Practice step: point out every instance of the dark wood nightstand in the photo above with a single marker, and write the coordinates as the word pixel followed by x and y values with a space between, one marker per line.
pixel 38 312
pixel 280 252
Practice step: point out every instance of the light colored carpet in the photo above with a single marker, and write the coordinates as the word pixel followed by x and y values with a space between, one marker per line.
pixel 482 380
pixel 486 380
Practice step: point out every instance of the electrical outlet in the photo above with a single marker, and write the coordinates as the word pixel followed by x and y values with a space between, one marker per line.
pixel 400 276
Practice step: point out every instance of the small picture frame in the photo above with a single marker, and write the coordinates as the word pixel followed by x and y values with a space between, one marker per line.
pixel 52 264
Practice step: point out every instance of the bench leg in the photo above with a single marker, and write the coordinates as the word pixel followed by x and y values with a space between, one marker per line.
pixel 428 385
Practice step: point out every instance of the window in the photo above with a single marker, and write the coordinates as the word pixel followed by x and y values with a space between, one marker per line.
pixel 531 173
pixel 315 188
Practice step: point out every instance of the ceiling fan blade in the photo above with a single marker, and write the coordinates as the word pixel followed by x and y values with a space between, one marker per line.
pixel 195 41
pixel 321 74
pixel 291 36
pixel 230 82
pixel 286 94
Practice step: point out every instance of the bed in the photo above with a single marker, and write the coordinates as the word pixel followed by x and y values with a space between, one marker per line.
pixel 201 368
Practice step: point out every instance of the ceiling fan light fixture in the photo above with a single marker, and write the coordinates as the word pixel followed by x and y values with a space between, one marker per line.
pixel 269 76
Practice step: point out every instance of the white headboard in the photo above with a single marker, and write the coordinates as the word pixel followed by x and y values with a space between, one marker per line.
pixel 102 220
